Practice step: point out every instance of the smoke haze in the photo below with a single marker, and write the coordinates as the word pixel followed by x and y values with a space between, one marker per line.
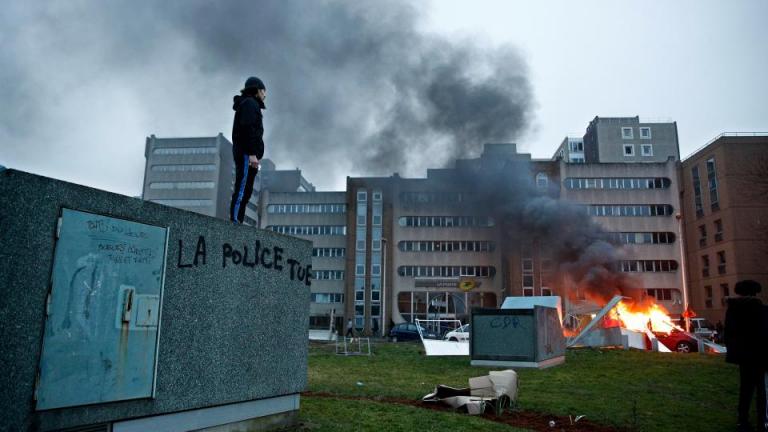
pixel 354 88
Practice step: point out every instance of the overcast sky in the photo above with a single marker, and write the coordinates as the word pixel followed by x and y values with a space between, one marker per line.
pixel 366 88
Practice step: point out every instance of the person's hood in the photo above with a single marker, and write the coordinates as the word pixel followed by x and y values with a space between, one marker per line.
pixel 238 99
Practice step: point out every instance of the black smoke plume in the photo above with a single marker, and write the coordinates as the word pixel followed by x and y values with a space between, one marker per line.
pixel 354 87
pixel 584 258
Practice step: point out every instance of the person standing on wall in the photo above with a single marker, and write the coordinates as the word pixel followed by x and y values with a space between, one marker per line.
pixel 247 143
pixel 745 341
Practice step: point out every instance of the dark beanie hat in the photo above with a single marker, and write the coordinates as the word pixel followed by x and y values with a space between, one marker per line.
pixel 747 287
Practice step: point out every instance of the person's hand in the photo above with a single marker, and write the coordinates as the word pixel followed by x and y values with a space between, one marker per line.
pixel 253 161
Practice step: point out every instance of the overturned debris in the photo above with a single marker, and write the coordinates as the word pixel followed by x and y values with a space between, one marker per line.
pixel 495 391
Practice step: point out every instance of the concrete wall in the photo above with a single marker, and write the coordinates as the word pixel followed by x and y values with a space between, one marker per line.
pixel 228 334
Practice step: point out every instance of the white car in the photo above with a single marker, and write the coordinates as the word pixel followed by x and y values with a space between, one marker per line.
pixel 461 334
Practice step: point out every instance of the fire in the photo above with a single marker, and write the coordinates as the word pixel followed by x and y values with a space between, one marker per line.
pixel 640 317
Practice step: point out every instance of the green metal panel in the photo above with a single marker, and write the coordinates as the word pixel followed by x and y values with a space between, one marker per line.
pixel 103 313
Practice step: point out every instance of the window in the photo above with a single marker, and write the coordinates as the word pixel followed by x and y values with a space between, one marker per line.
pixel 362 196
pixel 726 292
pixel 645 133
pixel 719 230
pixel 617 183
pixel 714 200
pixel 648 266
pixel 697 191
pixel 646 149
pixel 327 298
pixel 329 252
pixel 376 195
pixel 184 150
pixel 629 150
pixel 708 299
pixel 542 181
pixel 702 235
pixel 446 221
pixel 447 271
pixel 626 133
pixel 642 237
pixel 662 294
pixel 629 210
pixel 306 208
pixel 309 230
pixel 362 213
pixel 721 262
pixel 184 202
pixel 329 275
pixel 360 270
pixel 168 168
pixel 182 185
pixel 705 265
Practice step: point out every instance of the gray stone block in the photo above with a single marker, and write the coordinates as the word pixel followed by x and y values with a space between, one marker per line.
pixel 229 332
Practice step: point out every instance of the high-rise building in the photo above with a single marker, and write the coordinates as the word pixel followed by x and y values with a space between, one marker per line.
pixel 571 150
pixel 630 139
pixel 195 174
pixel 320 217
pixel 725 213
pixel 427 248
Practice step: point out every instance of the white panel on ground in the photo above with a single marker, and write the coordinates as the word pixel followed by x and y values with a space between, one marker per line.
pixel 634 339
pixel 445 348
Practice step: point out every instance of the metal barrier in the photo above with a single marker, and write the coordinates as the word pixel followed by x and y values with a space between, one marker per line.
pixel 345 345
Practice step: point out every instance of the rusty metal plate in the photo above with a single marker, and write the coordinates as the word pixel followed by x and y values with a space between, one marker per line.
pixel 103 312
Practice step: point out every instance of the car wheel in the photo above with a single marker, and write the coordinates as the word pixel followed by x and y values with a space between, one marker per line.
pixel 453 339
pixel 684 347
pixel 393 338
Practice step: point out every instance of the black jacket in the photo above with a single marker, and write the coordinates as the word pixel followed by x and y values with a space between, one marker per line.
pixel 745 334
pixel 247 128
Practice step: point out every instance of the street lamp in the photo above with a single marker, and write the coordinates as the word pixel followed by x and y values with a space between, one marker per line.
pixel 679 218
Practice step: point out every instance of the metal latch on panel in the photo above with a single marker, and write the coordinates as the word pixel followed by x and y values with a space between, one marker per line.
pixel 125 304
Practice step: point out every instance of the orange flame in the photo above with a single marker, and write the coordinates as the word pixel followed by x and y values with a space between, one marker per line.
pixel 641 317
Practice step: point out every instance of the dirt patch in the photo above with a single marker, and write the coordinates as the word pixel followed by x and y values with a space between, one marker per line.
pixel 531 420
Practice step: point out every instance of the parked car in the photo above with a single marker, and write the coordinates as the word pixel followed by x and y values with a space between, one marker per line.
pixel 409 332
pixel 700 327
pixel 461 334
pixel 678 341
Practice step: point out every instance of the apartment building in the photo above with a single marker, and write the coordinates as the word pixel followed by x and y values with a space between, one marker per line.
pixel 630 139
pixel 320 217
pixel 195 174
pixel 724 186
pixel 636 205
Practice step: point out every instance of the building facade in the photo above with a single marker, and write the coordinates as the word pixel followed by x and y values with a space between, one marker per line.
pixel 636 205
pixel 724 190
pixel 320 217
pixel 629 139
pixel 194 174
pixel 425 248
pixel 571 150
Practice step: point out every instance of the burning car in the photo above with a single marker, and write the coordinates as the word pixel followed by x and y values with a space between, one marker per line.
pixel 678 341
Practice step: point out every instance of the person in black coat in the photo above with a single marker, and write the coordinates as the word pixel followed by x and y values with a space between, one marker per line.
pixel 745 340
pixel 247 143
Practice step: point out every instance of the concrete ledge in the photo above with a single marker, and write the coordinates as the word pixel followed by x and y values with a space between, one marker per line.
pixel 214 418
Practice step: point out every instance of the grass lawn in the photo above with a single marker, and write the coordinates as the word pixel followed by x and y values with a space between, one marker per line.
pixel 627 389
